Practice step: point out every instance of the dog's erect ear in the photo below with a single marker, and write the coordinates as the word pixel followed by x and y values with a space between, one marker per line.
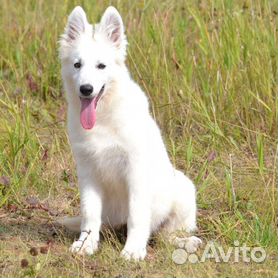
pixel 112 25
pixel 77 23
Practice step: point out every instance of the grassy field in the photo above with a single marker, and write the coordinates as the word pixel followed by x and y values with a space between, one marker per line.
pixel 209 69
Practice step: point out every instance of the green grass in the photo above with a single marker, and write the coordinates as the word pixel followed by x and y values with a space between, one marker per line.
pixel 209 69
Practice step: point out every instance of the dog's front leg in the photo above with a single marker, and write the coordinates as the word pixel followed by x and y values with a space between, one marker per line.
pixel 91 205
pixel 139 218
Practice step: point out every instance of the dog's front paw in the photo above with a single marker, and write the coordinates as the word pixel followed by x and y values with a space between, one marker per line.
pixel 136 254
pixel 87 247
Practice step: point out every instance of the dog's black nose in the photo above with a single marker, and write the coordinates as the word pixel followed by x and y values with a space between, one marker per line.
pixel 86 89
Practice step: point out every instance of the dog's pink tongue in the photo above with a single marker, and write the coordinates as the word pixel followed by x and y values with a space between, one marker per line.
pixel 88 112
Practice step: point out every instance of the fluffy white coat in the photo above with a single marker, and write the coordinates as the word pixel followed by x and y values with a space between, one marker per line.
pixel 124 173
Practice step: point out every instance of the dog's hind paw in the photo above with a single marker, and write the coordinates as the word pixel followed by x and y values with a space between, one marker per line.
pixel 190 244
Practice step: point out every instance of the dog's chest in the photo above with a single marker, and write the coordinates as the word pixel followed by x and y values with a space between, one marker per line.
pixel 105 154
pixel 110 165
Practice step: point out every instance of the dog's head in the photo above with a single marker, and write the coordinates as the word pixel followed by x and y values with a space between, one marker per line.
pixel 91 58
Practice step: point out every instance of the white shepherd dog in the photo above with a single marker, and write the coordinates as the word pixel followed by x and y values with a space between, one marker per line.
pixel 124 173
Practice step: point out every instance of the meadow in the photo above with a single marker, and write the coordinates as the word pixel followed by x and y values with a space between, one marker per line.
pixel 209 69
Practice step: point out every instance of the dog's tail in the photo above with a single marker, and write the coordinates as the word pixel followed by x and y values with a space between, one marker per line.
pixel 71 223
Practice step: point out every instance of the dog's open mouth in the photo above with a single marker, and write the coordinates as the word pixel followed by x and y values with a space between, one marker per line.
pixel 88 110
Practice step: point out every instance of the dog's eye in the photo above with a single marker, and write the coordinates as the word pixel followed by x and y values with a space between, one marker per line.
pixel 77 65
pixel 101 66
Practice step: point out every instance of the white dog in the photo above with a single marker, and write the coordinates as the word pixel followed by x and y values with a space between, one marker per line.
pixel 124 173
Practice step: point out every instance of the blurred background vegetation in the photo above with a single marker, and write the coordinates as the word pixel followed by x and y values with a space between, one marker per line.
pixel 209 69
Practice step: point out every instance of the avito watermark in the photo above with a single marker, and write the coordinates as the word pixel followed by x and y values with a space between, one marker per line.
pixel 213 251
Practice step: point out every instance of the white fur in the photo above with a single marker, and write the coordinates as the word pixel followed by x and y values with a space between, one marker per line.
pixel 124 173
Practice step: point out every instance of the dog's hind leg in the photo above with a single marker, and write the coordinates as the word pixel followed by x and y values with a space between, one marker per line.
pixel 183 216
